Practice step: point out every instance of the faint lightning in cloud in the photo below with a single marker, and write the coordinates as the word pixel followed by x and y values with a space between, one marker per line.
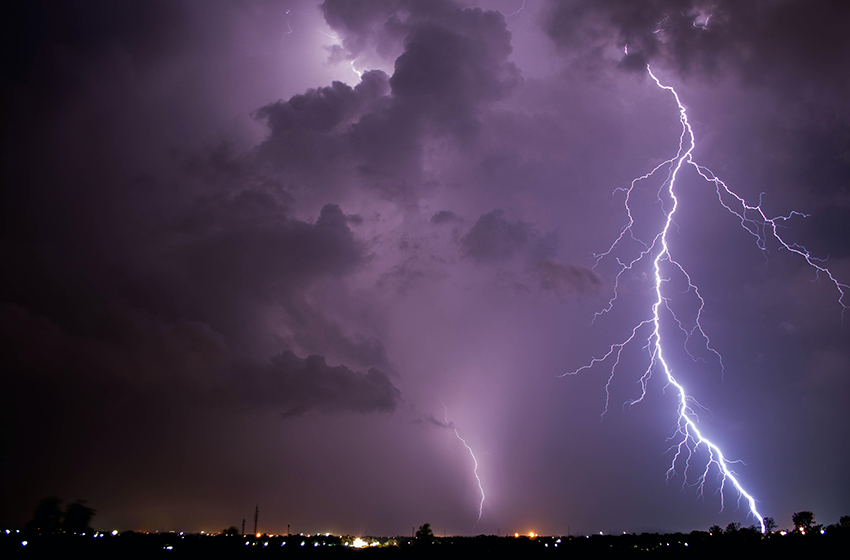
pixel 336 40
pixel 521 8
pixel 688 438
pixel 288 27
pixel 700 20
pixel 475 462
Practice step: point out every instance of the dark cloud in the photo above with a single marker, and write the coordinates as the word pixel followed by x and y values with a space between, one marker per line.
pixel 448 69
pixel 314 333
pixel 324 109
pixel 362 23
pixel 414 271
pixel 186 259
pixel 452 64
pixel 430 420
pixel 444 216
pixel 494 238
pixel 134 348
pixel 300 385
pixel 774 44
pixel 146 353
pixel 556 277
pixel 94 31
pixel 235 237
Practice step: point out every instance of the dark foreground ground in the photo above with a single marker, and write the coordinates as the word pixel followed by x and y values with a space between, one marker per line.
pixel 21 544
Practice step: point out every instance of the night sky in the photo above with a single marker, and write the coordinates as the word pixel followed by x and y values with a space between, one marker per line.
pixel 275 252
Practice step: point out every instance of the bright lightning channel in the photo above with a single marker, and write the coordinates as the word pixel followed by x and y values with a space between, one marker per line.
pixel 756 223
pixel 475 462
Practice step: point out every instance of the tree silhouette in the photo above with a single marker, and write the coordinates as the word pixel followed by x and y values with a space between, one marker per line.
pixel 715 530
pixel 47 517
pixel 804 521
pixel 424 533
pixel 77 517
pixel 769 524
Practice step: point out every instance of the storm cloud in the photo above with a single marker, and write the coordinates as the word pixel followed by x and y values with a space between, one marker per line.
pixel 274 242
pixel 299 385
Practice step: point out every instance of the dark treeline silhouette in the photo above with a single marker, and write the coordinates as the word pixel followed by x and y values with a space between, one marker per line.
pixel 807 538
pixel 49 517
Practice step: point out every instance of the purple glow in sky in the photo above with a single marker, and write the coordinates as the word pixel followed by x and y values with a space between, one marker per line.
pixel 253 250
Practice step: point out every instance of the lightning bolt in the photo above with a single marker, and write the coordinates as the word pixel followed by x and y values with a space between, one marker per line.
pixel 521 8
pixel 335 37
pixel 687 439
pixel 475 462
pixel 288 27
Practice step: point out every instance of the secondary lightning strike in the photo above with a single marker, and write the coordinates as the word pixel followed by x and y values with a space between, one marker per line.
pixel 475 470
pixel 755 222
pixel 521 8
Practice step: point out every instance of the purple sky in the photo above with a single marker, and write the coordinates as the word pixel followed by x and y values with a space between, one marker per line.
pixel 236 271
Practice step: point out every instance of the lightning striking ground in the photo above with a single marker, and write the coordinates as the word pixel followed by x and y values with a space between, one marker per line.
pixel 475 469
pixel 687 439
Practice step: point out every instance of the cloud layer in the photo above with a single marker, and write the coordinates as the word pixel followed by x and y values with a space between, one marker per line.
pixel 272 242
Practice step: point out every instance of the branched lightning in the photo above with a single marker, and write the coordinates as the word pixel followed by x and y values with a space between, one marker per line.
pixel 475 462
pixel 688 439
